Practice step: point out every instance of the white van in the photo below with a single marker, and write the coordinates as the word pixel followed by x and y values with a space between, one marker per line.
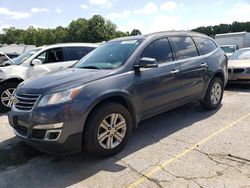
pixel 37 62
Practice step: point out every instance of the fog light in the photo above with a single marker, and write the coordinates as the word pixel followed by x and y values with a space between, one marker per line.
pixel 52 135
pixel 49 126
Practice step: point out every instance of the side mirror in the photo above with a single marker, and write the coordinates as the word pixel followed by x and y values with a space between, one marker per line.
pixel 36 62
pixel 147 62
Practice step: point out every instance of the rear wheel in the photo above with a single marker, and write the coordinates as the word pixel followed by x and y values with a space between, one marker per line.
pixel 107 129
pixel 214 94
pixel 7 91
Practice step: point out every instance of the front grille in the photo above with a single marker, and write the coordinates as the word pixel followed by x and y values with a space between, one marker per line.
pixel 239 70
pixel 38 134
pixel 25 101
pixel 21 130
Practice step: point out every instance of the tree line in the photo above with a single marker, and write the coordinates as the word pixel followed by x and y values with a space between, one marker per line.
pixel 224 28
pixel 96 29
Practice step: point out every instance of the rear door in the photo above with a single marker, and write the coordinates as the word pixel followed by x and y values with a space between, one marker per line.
pixel 193 68
pixel 158 88
pixel 75 53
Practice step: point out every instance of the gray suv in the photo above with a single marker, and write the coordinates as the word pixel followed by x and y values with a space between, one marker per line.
pixel 100 101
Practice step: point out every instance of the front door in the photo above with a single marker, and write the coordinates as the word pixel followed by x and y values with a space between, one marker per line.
pixel 52 60
pixel 157 88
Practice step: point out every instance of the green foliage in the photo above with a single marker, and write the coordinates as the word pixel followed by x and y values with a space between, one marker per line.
pixel 224 28
pixel 135 32
pixel 96 29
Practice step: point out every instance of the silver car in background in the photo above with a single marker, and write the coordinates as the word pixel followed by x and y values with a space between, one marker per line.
pixel 239 66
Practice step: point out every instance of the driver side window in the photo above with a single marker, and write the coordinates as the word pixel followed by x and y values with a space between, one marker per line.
pixel 52 56
pixel 160 50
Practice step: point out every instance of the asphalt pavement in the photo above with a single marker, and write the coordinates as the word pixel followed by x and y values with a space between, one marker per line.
pixel 186 147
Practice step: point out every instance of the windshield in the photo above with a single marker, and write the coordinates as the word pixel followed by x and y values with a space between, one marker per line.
pixel 20 59
pixel 228 49
pixel 109 55
pixel 241 54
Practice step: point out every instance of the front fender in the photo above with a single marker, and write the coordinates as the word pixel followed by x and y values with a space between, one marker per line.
pixel 112 95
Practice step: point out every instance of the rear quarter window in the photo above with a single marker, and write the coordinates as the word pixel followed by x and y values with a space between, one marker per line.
pixel 184 47
pixel 205 45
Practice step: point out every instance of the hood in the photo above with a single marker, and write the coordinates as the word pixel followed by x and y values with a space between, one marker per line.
pixel 242 63
pixel 229 54
pixel 5 67
pixel 62 80
pixel 5 63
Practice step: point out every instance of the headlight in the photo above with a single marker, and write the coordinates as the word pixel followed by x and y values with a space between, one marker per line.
pixel 60 97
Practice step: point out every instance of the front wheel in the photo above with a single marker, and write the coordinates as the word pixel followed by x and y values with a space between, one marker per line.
pixel 107 129
pixel 7 91
pixel 214 94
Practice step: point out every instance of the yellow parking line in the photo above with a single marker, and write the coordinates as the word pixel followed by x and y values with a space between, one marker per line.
pixel 181 154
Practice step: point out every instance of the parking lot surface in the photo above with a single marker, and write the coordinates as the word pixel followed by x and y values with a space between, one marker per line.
pixel 186 147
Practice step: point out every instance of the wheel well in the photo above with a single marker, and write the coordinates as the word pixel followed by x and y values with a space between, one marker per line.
pixel 15 80
pixel 220 75
pixel 120 100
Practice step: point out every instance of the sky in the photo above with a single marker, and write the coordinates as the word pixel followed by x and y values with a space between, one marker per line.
pixel 147 15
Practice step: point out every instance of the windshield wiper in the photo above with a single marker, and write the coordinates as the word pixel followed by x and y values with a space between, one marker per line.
pixel 90 67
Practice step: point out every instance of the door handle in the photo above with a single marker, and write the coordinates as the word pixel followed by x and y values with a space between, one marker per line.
pixel 175 71
pixel 204 65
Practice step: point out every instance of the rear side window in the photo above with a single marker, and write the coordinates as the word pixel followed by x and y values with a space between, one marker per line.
pixel 184 47
pixel 76 53
pixel 205 45
pixel 160 50
pixel 90 48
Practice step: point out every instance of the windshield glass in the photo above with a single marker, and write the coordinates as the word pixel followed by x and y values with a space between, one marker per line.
pixel 228 49
pixel 241 54
pixel 109 55
pixel 20 59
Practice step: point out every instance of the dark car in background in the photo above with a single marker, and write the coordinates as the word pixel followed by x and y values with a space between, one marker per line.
pixel 97 103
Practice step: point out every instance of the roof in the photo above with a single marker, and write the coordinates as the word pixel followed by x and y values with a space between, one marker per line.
pixel 71 45
pixel 242 49
pixel 169 33
pixel 226 45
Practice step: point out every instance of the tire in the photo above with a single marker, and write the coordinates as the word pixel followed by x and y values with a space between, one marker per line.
pixel 96 128
pixel 6 92
pixel 213 95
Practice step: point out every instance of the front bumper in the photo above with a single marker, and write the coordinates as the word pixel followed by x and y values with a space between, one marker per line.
pixel 36 127
pixel 238 75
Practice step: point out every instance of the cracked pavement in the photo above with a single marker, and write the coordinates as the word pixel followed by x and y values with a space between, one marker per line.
pixel 222 161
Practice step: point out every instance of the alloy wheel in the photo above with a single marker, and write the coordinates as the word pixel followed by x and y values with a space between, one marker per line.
pixel 216 93
pixel 112 131
pixel 7 97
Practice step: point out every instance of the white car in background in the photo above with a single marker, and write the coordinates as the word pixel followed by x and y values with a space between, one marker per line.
pixel 229 49
pixel 37 62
